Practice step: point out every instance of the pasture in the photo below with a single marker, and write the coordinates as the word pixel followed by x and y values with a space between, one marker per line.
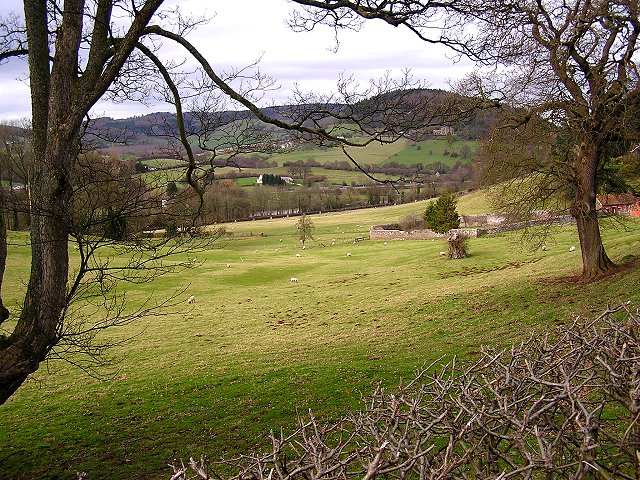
pixel 256 349
pixel 403 151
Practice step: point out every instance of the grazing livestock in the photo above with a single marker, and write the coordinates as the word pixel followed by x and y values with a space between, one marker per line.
pixel 294 280
pixel 572 248
pixel 298 255
pixel 348 254
pixel 443 254
pixel 191 299
pixel 544 248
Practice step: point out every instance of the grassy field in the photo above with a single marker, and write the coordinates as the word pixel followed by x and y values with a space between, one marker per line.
pixel 256 349
pixel 403 151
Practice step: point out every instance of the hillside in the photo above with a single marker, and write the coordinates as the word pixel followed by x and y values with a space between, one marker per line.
pixel 256 350
pixel 151 133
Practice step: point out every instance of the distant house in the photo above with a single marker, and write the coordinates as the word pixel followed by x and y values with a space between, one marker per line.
pixel 619 204
pixel 443 131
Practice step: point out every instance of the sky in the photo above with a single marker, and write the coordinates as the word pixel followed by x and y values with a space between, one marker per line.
pixel 242 31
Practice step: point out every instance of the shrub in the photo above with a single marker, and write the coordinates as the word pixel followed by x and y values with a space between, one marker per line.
pixel 413 221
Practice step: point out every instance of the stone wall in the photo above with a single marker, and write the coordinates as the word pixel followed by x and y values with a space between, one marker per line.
pixel 378 233
pixel 494 224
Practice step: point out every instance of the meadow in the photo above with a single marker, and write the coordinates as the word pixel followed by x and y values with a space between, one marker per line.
pixel 256 350
pixel 404 152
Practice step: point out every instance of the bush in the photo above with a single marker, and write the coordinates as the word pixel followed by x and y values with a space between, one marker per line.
pixel 441 215
pixel 413 221
pixel 560 405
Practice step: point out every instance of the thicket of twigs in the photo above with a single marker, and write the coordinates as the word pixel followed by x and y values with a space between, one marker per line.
pixel 561 405
pixel 458 244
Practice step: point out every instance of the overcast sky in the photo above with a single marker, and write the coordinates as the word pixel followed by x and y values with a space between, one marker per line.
pixel 241 31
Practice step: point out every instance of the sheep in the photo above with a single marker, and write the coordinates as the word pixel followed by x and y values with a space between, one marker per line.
pixel 191 299
pixel 544 248
pixel 572 248
pixel 294 280
pixel 298 255
pixel 348 254
pixel 304 247
pixel 386 243
pixel 443 254
pixel 228 265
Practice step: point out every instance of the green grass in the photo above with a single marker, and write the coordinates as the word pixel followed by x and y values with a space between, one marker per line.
pixel 164 163
pixel 431 151
pixel 403 151
pixel 255 349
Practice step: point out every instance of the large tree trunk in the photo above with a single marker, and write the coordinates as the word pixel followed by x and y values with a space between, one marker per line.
pixel 4 313
pixel 595 261
pixel 54 144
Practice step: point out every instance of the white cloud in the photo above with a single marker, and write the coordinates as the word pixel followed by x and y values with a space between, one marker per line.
pixel 241 31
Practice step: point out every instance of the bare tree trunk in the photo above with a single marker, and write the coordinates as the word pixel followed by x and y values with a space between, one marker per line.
pixel 37 329
pixel 4 313
pixel 594 259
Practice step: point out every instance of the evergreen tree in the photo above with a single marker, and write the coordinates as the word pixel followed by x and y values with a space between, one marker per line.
pixel 441 215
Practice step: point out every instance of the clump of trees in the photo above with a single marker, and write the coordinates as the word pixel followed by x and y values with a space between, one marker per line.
pixel 558 405
pixel 272 179
pixel 441 215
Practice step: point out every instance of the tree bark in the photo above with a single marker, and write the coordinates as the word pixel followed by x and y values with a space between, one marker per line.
pixel 4 313
pixel 55 141
pixel 595 261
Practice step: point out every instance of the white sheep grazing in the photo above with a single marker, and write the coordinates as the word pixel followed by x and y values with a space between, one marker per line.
pixel 304 247
pixel 572 248
pixel 294 280
pixel 386 243
pixel 443 254
pixel 228 265
pixel 298 255
pixel 544 248
pixel 348 254
pixel 191 299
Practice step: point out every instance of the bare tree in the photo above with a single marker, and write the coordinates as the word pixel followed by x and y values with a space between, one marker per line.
pixel 305 227
pixel 78 53
pixel 568 70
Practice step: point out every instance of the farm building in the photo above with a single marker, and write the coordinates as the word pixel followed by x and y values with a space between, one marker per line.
pixel 619 204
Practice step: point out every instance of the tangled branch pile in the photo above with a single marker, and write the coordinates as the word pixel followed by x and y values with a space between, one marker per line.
pixel 564 405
